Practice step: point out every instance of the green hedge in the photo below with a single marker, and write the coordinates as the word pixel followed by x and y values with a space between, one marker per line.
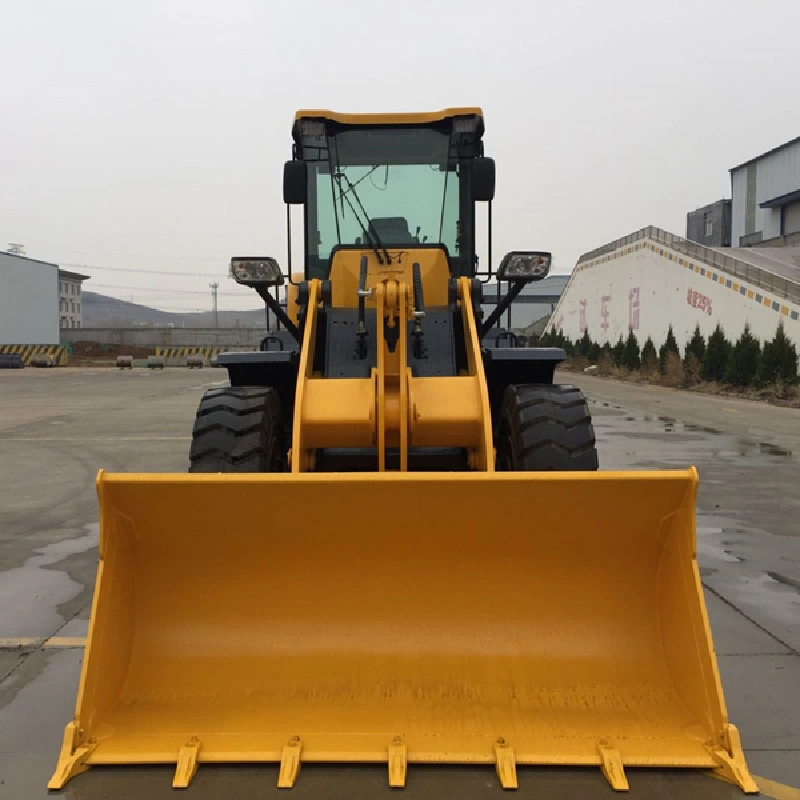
pixel 745 363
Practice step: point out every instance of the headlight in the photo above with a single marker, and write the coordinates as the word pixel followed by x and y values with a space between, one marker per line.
pixel 524 266
pixel 256 271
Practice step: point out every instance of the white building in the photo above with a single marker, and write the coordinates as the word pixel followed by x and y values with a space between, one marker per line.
pixel 69 299
pixel 28 301
pixel 651 279
pixel 766 198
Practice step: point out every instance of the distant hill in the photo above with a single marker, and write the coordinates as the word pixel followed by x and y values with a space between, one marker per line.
pixel 101 311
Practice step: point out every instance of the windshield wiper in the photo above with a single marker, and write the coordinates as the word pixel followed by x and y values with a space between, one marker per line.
pixel 369 229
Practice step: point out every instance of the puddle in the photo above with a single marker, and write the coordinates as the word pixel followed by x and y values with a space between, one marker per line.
pixel 690 426
pixel 790 582
pixel 706 572
pixel 709 548
pixel 31 594
pixel 707 441
pixel 32 722
pixel 772 450
pixel 765 592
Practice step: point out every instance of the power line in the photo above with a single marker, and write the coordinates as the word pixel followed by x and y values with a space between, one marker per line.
pixel 145 271
pixel 165 291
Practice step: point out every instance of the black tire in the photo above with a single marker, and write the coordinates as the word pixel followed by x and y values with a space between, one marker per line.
pixel 238 429
pixel 545 428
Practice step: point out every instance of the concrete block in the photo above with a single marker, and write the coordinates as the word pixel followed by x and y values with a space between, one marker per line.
pixel 156 362
pixel 42 360
pixel 125 362
pixel 193 361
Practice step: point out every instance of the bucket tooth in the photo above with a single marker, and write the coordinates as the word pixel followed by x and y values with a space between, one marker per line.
pixel 290 763
pixel 72 758
pixel 187 764
pixel 731 765
pixel 612 767
pixel 506 764
pixel 398 761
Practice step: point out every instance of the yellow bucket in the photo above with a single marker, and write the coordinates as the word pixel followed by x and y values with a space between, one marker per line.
pixel 508 618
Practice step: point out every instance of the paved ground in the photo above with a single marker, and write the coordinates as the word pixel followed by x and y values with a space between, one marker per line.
pixel 57 427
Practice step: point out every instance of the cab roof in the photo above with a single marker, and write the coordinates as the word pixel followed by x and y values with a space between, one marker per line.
pixel 413 118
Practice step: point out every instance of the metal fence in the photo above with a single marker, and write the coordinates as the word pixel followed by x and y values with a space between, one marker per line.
pixel 780 287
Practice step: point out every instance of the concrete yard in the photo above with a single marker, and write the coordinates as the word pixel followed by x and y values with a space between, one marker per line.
pixel 58 427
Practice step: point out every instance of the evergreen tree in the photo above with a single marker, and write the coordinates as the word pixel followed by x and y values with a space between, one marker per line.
pixel 594 352
pixel 743 360
pixel 778 362
pixel 617 351
pixel 715 358
pixel 649 356
pixel 631 357
pixel 669 346
pixel 696 345
pixel 584 344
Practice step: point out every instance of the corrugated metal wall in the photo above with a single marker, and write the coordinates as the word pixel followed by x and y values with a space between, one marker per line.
pixel 772 176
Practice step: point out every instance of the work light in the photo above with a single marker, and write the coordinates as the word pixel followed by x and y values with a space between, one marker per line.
pixel 253 271
pixel 521 265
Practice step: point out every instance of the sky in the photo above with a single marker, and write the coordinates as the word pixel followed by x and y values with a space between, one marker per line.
pixel 142 143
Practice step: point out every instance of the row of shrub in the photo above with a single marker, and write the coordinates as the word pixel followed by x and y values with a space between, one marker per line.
pixel 742 363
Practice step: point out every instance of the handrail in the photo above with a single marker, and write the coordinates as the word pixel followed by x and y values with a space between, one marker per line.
pixel 764 279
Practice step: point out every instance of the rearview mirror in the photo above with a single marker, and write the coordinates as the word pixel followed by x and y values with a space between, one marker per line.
pixel 483 175
pixel 295 182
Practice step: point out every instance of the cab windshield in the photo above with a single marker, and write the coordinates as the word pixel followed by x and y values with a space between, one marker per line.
pixel 381 188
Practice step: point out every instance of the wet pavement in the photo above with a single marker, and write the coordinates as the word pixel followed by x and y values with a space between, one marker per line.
pixel 57 427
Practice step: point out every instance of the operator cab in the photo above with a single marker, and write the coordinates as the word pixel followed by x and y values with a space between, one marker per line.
pixel 389 180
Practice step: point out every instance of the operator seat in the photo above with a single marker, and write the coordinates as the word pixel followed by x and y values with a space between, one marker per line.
pixel 393 230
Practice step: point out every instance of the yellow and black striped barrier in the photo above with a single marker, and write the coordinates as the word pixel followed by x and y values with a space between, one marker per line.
pixel 27 351
pixel 183 352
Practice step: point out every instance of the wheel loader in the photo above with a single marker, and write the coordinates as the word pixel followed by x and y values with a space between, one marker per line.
pixel 394 544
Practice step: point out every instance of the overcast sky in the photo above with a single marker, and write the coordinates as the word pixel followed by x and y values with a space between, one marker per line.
pixel 152 135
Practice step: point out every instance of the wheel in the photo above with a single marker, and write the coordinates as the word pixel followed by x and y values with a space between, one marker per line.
pixel 545 428
pixel 238 429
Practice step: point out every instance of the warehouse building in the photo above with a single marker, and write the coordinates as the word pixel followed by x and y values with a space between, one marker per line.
pixel 29 298
pixel 766 198
pixel 69 299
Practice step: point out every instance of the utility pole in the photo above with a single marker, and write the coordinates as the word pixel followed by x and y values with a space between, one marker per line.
pixel 214 286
